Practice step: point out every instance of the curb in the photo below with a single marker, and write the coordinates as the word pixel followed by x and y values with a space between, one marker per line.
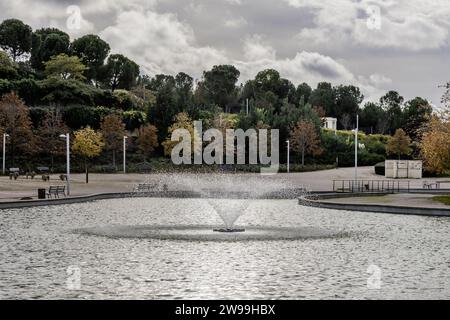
pixel 282 194
pixel 314 200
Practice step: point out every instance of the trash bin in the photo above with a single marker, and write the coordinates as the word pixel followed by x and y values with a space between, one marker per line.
pixel 41 193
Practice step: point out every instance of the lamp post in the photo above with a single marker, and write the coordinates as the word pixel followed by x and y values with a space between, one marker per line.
pixel 288 155
pixel 356 147
pixel 5 135
pixel 67 137
pixel 125 154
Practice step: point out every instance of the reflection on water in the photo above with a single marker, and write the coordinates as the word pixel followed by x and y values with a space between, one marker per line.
pixel 40 256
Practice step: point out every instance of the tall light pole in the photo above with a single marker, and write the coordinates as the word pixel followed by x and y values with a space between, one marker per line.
pixel 125 154
pixel 288 156
pixel 5 135
pixel 67 137
pixel 356 147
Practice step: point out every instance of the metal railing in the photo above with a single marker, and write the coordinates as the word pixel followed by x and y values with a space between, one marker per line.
pixel 360 186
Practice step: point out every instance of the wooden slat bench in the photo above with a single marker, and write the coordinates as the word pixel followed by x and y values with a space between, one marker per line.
pixel 56 191
pixel 145 187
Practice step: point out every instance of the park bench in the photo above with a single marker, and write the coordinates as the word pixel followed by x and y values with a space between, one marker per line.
pixel 442 182
pixel 144 187
pixel 430 185
pixel 14 173
pixel 56 191
pixel 109 169
pixel 144 167
pixel 45 173
pixel 43 169
pixel 30 174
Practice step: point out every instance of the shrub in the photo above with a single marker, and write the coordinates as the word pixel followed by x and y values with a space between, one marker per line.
pixel 134 119
pixel 380 169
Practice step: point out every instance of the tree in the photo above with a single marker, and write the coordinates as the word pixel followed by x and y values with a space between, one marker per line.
pixel 324 96
pixel 399 144
pixel 93 51
pixel 348 99
pixel 417 112
pixel 65 67
pixel 304 91
pixel 219 85
pixel 181 121
pixel 346 121
pixel 435 145
pixel 47 42
pixel 166 106
pixel 391 103
pixel 305 139
pixel 147 140
pixel 371 119
pixel 7 67
pixel 120 72
pixel 15 120
pixel 49 131
pixel 184 85
pixel 268 80
pixel 113 131
pixel 87 144
pixel 15 37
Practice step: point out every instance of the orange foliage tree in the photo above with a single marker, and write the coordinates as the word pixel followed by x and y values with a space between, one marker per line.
pixel 15 121
pixel 305 139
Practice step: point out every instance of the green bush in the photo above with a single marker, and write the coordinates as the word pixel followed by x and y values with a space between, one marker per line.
pixel 380 169
pixel 134 119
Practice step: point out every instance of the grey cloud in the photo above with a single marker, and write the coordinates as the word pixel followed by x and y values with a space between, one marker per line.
pixel 334 44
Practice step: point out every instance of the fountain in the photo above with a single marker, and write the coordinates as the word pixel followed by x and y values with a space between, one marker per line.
pixel 229 196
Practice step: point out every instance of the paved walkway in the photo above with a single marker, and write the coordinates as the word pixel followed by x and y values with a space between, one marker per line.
pixel 102 183
pixel 400 200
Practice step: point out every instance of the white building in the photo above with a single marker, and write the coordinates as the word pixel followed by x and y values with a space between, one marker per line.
pixel 329 123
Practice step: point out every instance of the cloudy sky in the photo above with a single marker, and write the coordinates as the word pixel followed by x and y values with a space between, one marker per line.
pixel 377 45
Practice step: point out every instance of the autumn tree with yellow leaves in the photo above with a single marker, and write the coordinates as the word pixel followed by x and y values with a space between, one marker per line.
pixel 399 144
pixel 181 121
pixel 88 144
pixel 435 145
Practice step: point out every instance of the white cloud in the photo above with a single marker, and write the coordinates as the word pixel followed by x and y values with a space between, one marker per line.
pixel 235 22
pixel 405 24
pixel 235 2
pixel 255 49
pixel 310 67
pixel 160 43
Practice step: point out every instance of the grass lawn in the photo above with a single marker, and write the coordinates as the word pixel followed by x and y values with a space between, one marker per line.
pixel 443 199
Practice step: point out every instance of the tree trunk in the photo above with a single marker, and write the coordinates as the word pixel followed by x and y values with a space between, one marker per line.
pixel 114 158
pixel 52 162
pixel 87 170
pixel 303 156
pixel 13 154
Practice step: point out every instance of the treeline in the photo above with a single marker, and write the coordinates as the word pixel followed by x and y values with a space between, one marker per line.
pixel 81 82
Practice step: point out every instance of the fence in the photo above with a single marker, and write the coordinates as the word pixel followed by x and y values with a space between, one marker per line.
pixel 353 186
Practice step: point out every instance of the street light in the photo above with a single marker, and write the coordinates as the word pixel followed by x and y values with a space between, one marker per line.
pixel 288 156
pixel 5 135
pixel 356 147
pixel 67 137
pixel 125 154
